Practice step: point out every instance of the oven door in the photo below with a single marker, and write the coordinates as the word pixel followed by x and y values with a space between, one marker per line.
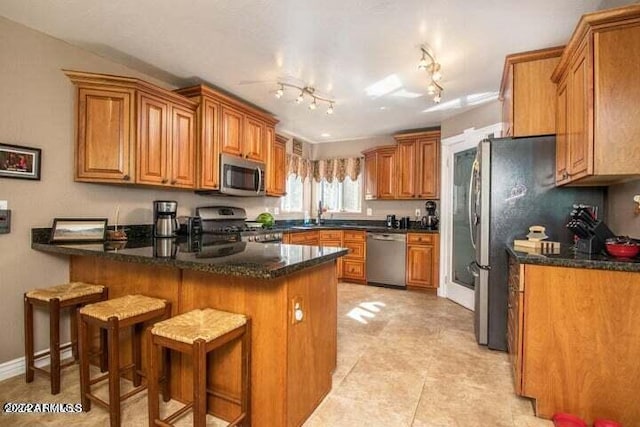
pixel 241 177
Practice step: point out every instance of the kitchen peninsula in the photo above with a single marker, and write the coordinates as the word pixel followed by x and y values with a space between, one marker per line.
pixel 288 290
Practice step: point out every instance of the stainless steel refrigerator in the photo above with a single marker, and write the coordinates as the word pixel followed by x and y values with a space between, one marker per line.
pixel 513 187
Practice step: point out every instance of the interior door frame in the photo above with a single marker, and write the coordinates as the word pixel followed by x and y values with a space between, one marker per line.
pixel 469 138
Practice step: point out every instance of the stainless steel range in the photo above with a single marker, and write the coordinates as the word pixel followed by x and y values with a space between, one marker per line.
pixel 227 222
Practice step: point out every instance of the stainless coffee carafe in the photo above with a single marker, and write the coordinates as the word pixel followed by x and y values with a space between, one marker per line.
pixel 165 223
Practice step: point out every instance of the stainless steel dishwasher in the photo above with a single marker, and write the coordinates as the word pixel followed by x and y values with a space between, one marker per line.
pixel 386 256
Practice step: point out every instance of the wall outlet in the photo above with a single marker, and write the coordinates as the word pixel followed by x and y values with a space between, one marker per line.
pixel 418 213
pixel 4 205
pixel 276 211
pixel 369 212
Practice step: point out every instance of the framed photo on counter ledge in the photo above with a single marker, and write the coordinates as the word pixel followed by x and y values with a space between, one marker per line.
pixel 20 162
pixel 68 230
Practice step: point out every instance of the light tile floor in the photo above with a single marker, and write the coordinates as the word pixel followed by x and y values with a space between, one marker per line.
pixel 404 359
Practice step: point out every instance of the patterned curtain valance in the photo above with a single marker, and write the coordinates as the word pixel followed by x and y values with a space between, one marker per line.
pixel 338 169
pixel 299 166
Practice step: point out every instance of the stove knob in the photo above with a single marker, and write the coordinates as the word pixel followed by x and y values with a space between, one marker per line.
pixel 268 237
pixel 252 238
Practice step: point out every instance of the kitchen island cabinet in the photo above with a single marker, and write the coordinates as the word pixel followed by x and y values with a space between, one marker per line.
pixel 573 335
pixel 292 358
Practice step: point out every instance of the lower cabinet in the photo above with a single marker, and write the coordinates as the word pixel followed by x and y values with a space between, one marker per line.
pixel 422 260
pixel 573 340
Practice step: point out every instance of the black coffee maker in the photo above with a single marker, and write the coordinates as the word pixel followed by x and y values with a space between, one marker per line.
pixel 430 220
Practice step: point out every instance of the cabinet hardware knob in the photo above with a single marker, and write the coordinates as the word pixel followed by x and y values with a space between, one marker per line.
pixel 164 181
pixel 174 182
pixel 126 178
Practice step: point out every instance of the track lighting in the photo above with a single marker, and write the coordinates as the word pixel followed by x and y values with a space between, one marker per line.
pixel 429 64
pixel 306 90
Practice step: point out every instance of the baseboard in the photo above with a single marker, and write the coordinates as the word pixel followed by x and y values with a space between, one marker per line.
pixel 16 367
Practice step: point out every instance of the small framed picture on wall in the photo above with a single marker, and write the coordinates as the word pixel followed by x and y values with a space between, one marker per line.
pixel 20 162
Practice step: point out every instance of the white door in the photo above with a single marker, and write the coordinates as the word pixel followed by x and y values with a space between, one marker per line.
pixel 458 155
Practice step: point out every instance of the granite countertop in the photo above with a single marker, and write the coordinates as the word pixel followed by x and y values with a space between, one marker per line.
pixel 568 257
pixel 258 260
pixel 368 228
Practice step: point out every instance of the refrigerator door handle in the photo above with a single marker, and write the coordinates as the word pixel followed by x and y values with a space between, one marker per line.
pixel 473 218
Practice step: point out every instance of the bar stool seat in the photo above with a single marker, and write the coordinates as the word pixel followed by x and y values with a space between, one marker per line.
pixel 56 298
pixel 112 315
pixel 198 332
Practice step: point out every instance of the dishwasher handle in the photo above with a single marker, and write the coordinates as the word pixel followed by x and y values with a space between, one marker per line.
pixel 387 237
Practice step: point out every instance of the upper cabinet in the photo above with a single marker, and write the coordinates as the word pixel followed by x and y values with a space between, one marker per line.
pixel 380 173
pixel 419 165
pixel 527 93
pixel 129 131
pixel 229 126
pixel 276 164
pixel 597 119
pixel 408 170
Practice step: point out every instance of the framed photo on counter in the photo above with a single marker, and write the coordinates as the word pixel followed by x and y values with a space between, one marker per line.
pixel 20 162
pixel 68 230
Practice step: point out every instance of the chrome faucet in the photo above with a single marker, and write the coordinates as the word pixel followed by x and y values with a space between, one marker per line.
pixel 319 219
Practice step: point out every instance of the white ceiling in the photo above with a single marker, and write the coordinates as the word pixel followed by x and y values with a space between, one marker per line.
pixel 340 47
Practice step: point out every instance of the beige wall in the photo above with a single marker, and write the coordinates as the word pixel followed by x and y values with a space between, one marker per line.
pixel 485 115
pixel 36 110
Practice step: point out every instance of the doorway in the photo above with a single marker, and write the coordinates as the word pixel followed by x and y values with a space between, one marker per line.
pixel 458 155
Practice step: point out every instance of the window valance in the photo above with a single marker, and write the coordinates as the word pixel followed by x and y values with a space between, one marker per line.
pixel 328 169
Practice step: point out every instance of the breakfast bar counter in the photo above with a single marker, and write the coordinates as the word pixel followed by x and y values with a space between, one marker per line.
pixel 289 291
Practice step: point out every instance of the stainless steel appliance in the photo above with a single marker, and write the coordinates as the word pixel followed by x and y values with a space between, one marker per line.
pixel 230 221
pixel 430 220
pixel 404 223
pixel 386 256
pixel 241 177
pixel 190 225
pixel 391 221
pixel 164 218
pixel 165 247
pixel 513 187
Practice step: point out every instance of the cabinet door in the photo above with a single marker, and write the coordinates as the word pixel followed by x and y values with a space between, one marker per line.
pixel 353 270
pixel 507 104
pixel 407 170
pixel 232 126
pixel 254 147
pixel 387 174
pixel 562 148
pixel 279 167
pixel 370 176
pixel 209 158
pixel 515 320
pixel 334 244
pixel 105 146
pixel 578 121
pixel 428 150
pixel 183 147
pixel 152 141
pixel 420 271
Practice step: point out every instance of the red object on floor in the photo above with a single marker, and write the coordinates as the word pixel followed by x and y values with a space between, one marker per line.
pixel 567 420
pixel 606 423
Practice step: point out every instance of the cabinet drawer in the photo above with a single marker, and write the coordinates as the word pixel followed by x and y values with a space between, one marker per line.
pixel 307 237
pixel 355 235
pixel 330 235
pixel 331 243
pixel 356 250
pixel 420 238
pixel 353 269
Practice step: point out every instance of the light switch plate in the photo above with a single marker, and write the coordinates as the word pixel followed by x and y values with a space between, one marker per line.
pixel 4 205
pixel 418 213
pixel 369 212
pixel 276 211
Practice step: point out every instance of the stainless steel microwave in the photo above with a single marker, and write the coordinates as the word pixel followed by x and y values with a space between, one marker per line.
pixel 241 177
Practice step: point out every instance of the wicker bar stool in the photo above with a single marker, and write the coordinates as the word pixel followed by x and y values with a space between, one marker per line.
pixel 198 332
pixel 112 315
pixel 54 299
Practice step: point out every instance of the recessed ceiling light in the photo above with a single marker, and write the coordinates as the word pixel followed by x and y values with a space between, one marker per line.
pixel 383 108
pixel 325 135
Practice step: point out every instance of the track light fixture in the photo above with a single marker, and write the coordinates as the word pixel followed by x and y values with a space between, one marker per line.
pixel 432 67
pixel 308 91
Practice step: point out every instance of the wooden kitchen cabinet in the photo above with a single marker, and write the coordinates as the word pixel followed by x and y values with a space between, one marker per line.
pixel 130 131
pixel 418 160
pixel 573 336
pixel 354 263
pixel 598 87
pixel 302 238
pixel 276 164
pixel 380 173
pixel 422 269
pixel 528 94
pixel 166 148
pixel 105 147
pixel 226 125
pixel 332 238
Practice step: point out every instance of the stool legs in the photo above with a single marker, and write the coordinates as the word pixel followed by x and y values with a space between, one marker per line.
pixel 245 399
pixel 54 344
pixel 113 340
pixel 136 354
pixel 83 344
pixel 28 339
pixel 73 330
pixel 199 384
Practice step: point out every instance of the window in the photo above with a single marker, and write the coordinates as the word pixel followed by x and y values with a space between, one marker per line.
pixel 343 196
pixel 293 200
